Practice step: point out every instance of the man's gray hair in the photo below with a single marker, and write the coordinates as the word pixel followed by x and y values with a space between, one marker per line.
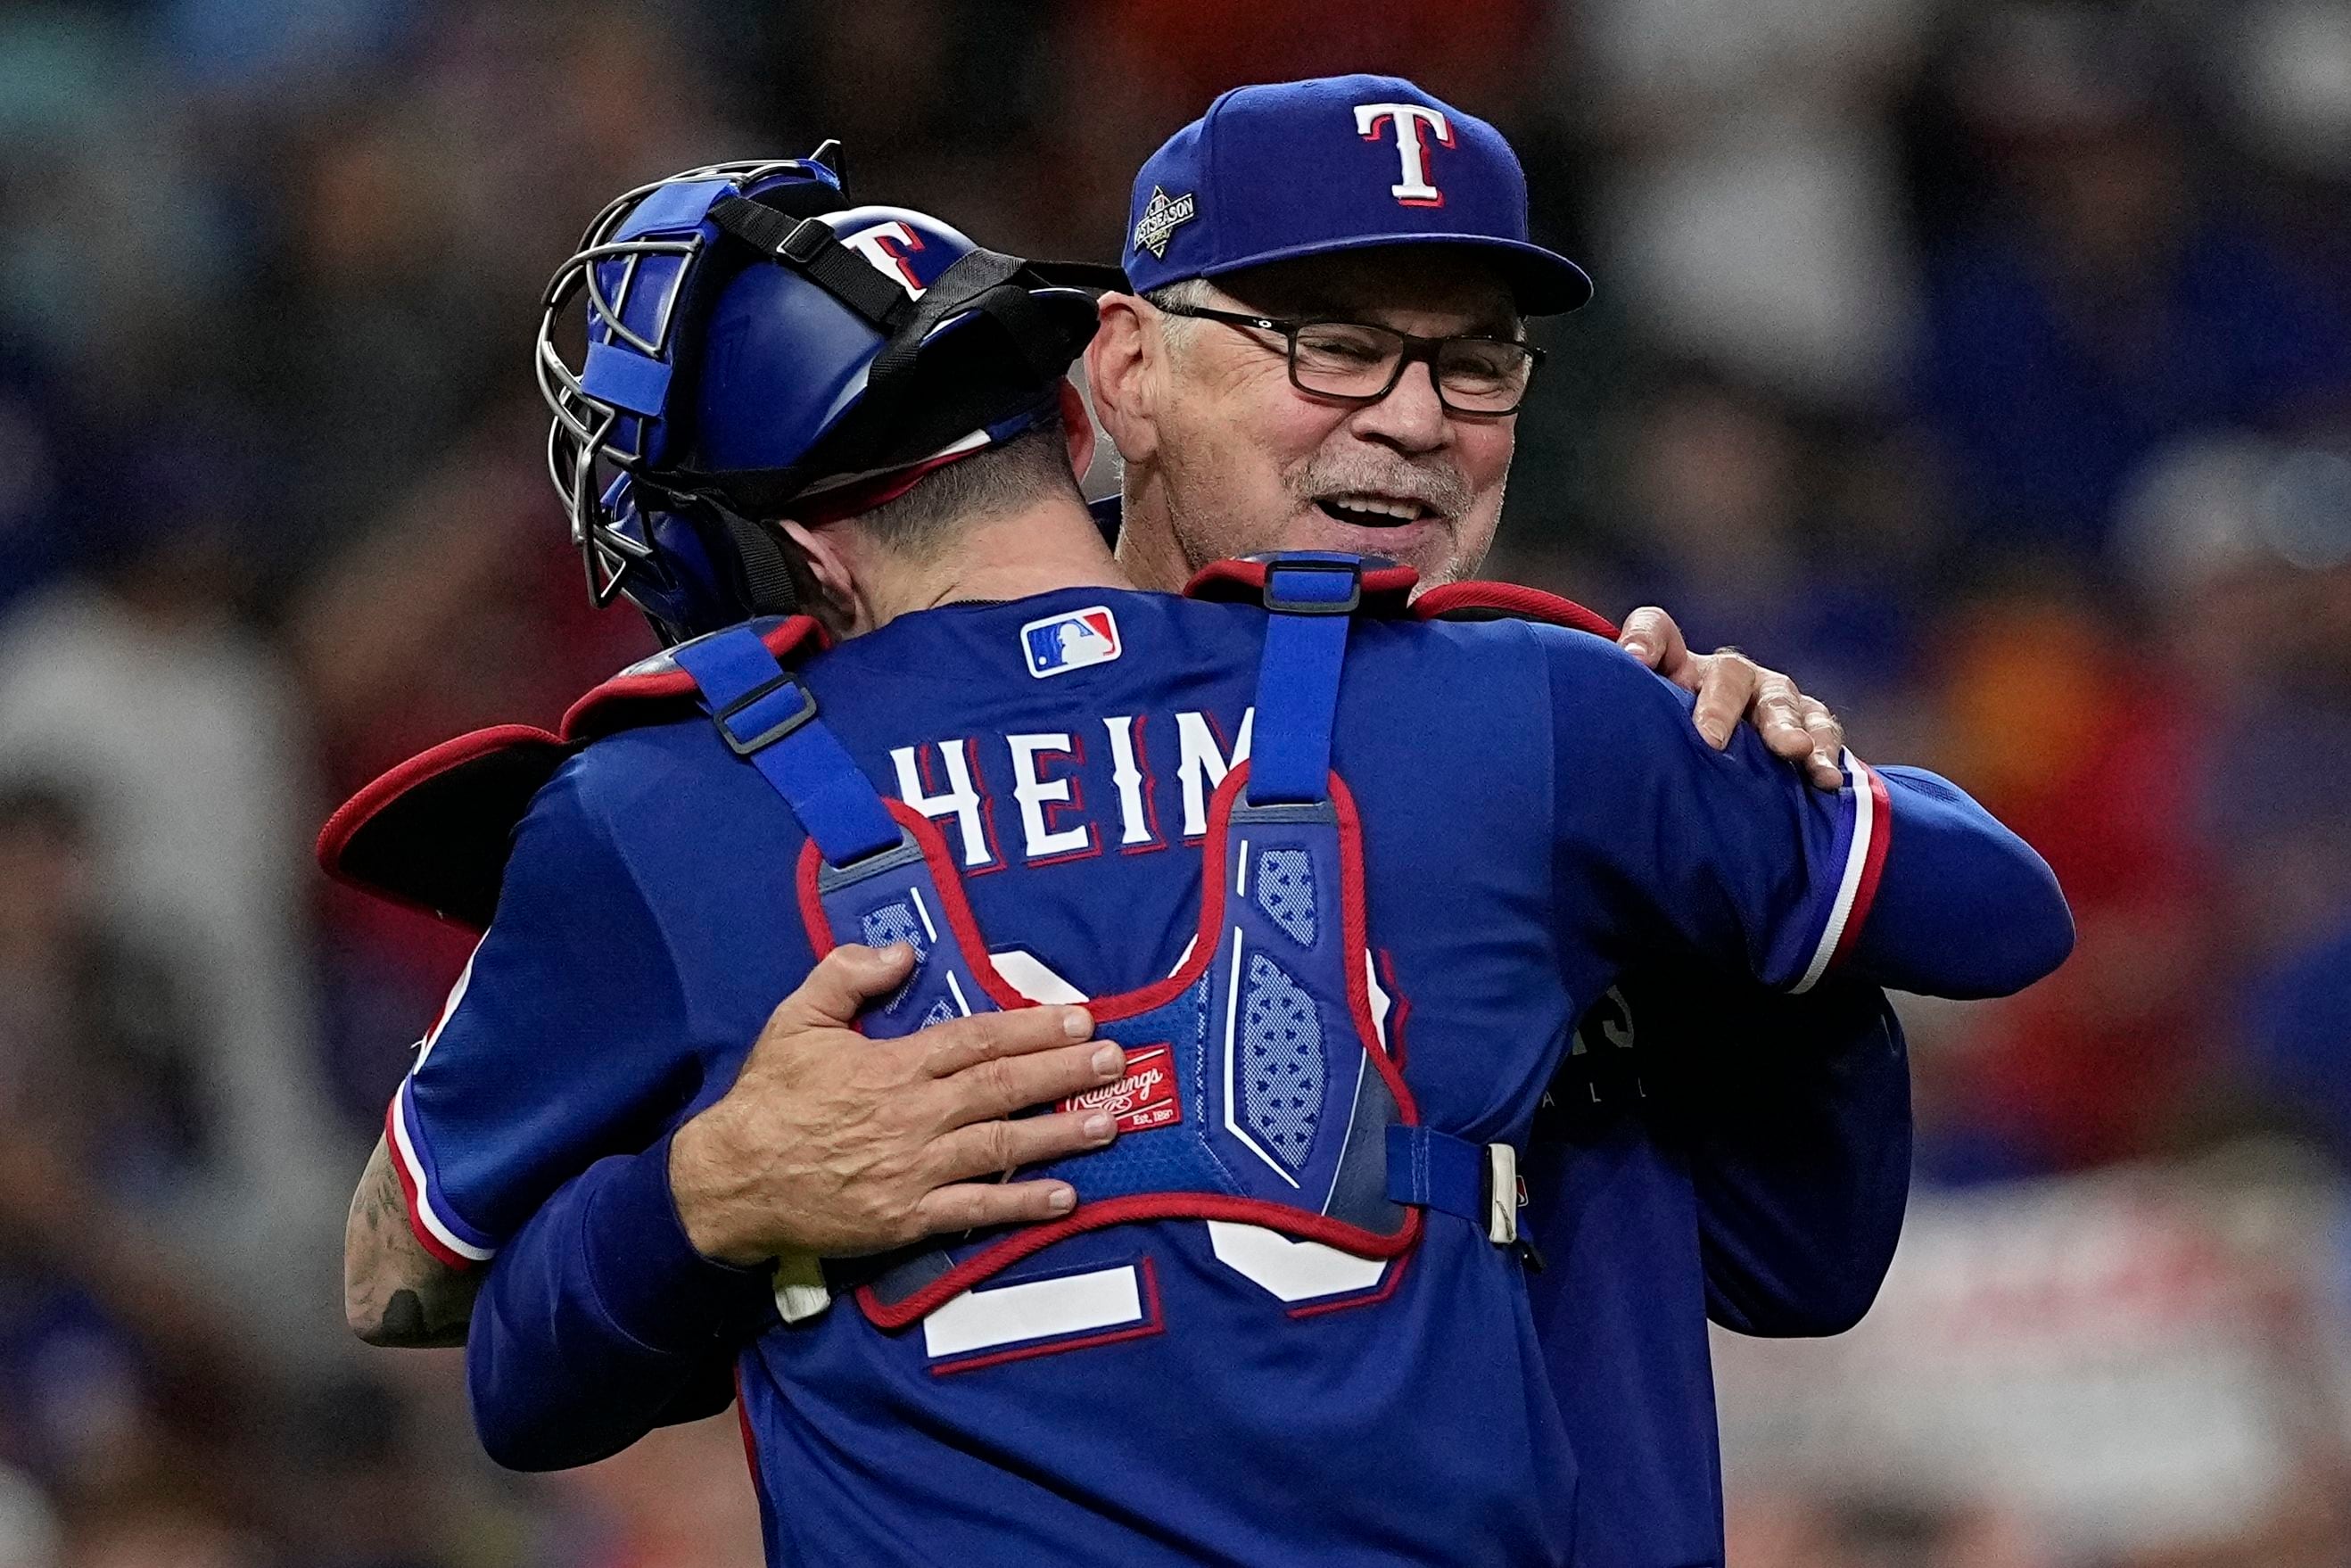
pixel 1185 294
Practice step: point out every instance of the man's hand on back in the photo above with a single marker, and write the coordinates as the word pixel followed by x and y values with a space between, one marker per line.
pixel 831 1143
pixel 1730 686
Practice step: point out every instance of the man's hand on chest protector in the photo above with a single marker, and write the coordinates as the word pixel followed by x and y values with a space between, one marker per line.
pixel 832 1144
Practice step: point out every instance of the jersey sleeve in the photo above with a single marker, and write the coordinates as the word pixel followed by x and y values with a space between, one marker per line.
pixel 1734 853
pixel 600 1322
pixel 1796 1112
pixel 565 1039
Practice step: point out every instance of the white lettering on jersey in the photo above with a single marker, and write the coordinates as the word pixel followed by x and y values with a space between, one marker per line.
pixel 885 245
pixel 1032 976
pixel 1138 826
pixel 960 799
pixel 1039 838
pixel 1287 1269
pixel 1414 190
pixel 1201 764
pixel 1038 1309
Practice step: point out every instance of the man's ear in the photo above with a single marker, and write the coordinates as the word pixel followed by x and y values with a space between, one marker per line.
pixel 1078 427
pixel 1122 363
pixel 827 565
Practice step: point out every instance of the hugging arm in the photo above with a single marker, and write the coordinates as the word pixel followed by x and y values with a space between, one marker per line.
pixel 1897 878
pixel 1796 1114
pixel 619 1305
pixel 600 1322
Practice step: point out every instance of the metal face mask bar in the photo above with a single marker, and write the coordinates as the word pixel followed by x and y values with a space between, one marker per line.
pixel 604 412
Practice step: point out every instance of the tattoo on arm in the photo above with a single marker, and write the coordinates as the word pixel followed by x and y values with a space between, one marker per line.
pixel 394 1292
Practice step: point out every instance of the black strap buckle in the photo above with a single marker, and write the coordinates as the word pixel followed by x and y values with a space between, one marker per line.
pixel 1275 600
pixel 806 241
pixel 766 737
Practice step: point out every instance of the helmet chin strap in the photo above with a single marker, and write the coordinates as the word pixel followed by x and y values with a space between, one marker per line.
pixel 765 556
pixel 767 574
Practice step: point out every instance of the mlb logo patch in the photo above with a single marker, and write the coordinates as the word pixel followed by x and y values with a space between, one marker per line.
pixel 1144 1099
pixel 1060 644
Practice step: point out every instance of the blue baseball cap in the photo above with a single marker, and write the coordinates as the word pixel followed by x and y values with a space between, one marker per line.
pixel 1307 168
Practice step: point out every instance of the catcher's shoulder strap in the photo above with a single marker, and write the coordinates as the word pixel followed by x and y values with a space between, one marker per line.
pixel 1384 588
pixel 658 689
pixel 434 833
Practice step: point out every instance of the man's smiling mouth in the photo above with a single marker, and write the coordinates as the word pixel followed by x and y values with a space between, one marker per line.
pixel 1362 510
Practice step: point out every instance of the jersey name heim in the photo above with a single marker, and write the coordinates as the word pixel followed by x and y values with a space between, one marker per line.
pixel 1129 782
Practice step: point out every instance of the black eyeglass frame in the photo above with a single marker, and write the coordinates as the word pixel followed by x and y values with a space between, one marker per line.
pixel 1415 350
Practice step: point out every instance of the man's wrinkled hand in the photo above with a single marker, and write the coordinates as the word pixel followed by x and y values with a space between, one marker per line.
pixel 830 1144
pixel 1730 686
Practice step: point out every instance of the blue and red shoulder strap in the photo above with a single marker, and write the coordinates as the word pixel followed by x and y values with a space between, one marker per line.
pixel 1388 593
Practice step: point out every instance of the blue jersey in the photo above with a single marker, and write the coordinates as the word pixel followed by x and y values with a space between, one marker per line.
pixel 1709 1151
pixel 1536 815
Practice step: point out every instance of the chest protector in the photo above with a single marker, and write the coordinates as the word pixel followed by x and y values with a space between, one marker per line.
pixel 1259 1088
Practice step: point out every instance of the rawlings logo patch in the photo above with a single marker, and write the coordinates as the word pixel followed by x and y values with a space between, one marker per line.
pixel 1145 1098
pixel 1159 217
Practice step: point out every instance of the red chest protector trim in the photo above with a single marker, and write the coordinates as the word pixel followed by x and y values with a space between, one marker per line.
pixel 1387 593
pixel 1509 601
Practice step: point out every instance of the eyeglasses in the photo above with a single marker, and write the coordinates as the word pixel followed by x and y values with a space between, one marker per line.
pixel 1356 362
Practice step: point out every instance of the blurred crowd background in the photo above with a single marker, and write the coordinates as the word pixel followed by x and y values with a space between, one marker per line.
pixel 1987 366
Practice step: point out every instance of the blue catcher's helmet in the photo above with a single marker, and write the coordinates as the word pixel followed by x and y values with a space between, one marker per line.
pixel 753 343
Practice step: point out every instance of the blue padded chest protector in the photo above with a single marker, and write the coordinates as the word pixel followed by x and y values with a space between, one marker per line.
pixel 1259 1088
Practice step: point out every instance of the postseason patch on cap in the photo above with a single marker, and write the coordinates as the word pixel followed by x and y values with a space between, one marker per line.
pixel 1074 641
pixel 1159 217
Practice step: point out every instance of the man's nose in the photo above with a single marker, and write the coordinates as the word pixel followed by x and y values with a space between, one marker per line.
pixel 1411 418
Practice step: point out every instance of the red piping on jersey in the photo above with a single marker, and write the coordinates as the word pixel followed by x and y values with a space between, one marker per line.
pixel 412 1199
pixel 1360 1299
pixel 355 813
pixel 587 719
pixel 1467 601
pixel 1873 866
pixel 1153 1323
pixel 1000 1254
pixel 750 1445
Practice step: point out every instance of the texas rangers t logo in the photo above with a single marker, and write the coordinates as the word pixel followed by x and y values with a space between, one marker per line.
pixel 1074 641
pixel 1414 190
pixel 882 244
